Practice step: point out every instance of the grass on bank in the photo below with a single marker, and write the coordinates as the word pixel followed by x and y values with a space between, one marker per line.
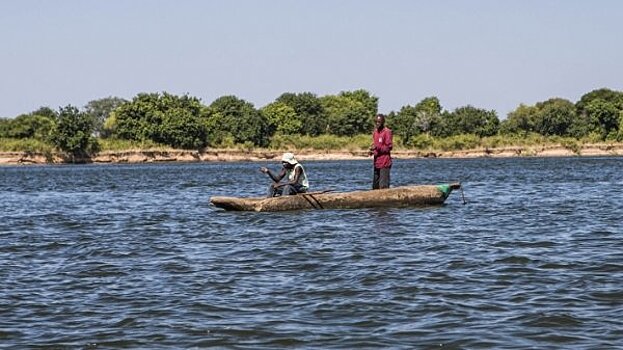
pixel 26 145
pixel 322 142
pixel 326 143
pixel 116 145
pixel 473 142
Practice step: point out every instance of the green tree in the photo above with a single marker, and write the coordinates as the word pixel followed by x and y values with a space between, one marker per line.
pixel 346 116
pixel 521 121
pixel 607 95
pixel 472 120
pixel 164 118
pixel 603 117
pixel 73 132
pixel 45 111
pixel 411 121
pixel 370 103
pixel 182 129
pixel 5 127
pixel 308 109
pixel 282 119
pixel 100 110
pixel 555 117
pixel 232 117
pixel 37 124
pixel 597 113
pixel 28 126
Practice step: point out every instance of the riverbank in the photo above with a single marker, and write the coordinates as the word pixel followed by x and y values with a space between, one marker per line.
pixel 235 155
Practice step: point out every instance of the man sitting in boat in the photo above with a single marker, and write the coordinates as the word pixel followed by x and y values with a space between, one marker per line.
pixel 292 170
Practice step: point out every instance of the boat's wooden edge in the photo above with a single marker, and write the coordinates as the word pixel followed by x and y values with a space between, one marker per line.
pixel 258 203
pixel 235 203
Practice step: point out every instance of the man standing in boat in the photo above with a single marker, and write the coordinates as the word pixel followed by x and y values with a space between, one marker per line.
pixel 296 178
pixel 381 150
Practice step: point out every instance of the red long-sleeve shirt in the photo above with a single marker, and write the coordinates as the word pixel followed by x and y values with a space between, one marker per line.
pixel 382 147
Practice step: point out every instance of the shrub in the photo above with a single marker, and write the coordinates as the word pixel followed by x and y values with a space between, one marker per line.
pixel 25 145
pixel 459 142
pixel 72 132
pixel 110 144
pixel 422 141
pixel 322 142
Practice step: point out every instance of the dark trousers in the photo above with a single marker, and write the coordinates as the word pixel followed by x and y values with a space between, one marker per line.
pixel 381 178
pixel 285 190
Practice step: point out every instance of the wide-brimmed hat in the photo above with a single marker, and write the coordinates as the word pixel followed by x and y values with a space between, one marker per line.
pixel 289 158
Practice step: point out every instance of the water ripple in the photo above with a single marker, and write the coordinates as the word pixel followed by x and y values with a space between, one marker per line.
pixel 133 256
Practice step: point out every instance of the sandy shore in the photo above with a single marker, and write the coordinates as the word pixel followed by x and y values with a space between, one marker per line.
pixel 227 155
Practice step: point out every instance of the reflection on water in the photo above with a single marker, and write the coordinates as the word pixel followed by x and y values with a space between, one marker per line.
pixel 133 256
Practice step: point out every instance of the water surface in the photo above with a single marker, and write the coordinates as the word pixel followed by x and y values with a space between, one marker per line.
pixel 133 256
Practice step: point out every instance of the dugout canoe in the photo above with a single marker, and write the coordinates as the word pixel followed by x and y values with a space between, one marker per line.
pixel 404 196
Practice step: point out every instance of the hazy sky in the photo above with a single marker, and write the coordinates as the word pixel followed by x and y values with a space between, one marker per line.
pixel 490 54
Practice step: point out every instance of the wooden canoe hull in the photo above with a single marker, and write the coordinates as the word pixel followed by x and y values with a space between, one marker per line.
pixel 405 196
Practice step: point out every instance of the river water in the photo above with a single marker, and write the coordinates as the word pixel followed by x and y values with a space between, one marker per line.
pixel 134 257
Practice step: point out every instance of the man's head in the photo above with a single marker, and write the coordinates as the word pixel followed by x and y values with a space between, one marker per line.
pixel 288 160
pixel 379 121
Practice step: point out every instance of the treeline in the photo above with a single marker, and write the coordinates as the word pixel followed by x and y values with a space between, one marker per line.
pixel 185 122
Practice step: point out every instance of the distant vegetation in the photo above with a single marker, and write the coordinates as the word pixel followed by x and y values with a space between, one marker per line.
pixel 305 121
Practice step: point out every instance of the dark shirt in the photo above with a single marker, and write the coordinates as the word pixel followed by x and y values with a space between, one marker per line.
pixel 382 148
